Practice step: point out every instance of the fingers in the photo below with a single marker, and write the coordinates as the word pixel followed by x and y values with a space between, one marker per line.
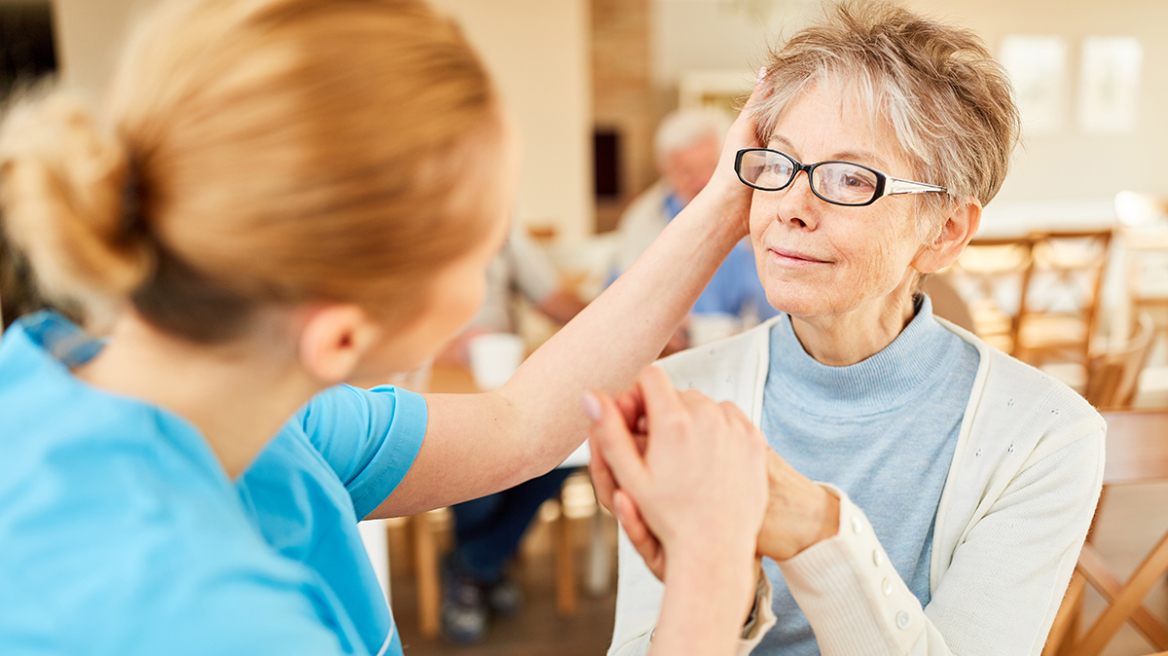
pixel 660 397
pixel 632 407
pixel 612 440
pixel 743 133
pixel 735 417
pixel 638 533
pixel 602 481
pixel 759 93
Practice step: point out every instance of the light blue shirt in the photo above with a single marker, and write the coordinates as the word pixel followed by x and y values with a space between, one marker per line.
pixel 120 532
pixel 883 430
pixel 735 288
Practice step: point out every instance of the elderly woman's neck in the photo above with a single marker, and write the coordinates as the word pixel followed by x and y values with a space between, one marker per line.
pixel 840 340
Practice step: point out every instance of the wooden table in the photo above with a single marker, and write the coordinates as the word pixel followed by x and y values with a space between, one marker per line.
pixel 1137 447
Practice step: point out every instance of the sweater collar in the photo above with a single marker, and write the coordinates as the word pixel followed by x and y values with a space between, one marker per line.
pixel 921 353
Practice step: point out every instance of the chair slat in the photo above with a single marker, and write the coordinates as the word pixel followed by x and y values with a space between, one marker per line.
pixel 1128 600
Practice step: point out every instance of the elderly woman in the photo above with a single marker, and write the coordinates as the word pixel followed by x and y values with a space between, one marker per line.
pixel 955 485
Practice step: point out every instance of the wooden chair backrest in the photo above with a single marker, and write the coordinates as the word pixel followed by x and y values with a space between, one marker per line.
pixel 1113 376
pixel 1073 262
pixel 1144 229
pixel 989 271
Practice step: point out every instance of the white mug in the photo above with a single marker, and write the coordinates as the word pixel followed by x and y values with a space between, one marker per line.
pixel 494 357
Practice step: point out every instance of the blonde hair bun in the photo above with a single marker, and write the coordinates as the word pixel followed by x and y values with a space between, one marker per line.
pixel 272 152
pixel 63 189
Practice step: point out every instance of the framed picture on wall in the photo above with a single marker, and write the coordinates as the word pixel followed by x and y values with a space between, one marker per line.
pixel 1109 85
pixel 1037 66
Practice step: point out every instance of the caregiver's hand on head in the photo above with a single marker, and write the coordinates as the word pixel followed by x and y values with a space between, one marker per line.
pixel 724 187
pixel 697 488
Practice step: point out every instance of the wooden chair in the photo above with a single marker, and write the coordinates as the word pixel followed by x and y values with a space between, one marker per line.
pixel 1113 376
pixel 424 528
pixel 1059 312
pixel 1144 237
pixel 1137 452
pixel 992 275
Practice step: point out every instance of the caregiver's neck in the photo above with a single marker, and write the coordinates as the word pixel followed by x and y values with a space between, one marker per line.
pixel 839 340
pixel 237 394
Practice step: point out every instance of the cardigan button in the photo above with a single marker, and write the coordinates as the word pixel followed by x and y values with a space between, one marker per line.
pixel 857 525
pixel 886 587
pixel 877 557
pixel 902 620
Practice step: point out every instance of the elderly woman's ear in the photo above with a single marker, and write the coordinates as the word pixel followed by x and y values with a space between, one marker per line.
pixel 957 228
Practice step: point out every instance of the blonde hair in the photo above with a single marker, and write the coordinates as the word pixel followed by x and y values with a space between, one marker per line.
pixel 258 151
pixel 947 101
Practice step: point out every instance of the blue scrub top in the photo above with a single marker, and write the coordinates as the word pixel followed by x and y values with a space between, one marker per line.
pixel 120 533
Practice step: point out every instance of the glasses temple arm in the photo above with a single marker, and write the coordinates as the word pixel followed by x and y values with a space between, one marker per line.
pixel 895 186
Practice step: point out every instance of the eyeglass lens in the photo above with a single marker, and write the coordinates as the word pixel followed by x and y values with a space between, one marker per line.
pixel 838 182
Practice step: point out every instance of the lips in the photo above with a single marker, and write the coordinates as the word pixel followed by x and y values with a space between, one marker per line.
pixel 794 257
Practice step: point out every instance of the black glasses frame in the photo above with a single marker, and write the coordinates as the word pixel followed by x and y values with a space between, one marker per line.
pixel 886 185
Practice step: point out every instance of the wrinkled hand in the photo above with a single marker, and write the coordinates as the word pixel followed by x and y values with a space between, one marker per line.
pixel 698 487
pixel 799 514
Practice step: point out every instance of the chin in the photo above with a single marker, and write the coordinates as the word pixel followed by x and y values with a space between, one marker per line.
pixel 800 300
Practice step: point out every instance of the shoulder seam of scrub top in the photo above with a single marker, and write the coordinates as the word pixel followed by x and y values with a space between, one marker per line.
pixel 402 443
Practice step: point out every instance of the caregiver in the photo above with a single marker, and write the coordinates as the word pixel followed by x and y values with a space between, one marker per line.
pixel 285 195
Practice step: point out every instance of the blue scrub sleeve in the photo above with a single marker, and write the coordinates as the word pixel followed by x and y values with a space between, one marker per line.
pixel 370 438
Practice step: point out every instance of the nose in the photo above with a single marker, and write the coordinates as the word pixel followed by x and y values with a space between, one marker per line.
pixel 797 204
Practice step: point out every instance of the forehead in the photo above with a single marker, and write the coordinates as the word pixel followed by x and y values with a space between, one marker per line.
pixel 830 122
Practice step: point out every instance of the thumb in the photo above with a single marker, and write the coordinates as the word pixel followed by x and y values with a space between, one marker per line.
pixel 614 442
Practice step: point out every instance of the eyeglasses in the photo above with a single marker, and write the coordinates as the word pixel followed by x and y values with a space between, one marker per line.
pixel 839 183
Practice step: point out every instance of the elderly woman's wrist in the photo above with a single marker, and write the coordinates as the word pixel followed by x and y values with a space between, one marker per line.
pixel 830 519
pixel 794 527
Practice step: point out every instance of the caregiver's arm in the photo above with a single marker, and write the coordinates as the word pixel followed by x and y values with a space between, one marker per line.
pixel 482 443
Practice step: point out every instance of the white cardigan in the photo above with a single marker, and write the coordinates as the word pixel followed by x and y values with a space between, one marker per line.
pixel 1018 499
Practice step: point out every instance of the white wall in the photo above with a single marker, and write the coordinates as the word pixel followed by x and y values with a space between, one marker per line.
pixel 89 37
pixel 538 51
pixel 1065 166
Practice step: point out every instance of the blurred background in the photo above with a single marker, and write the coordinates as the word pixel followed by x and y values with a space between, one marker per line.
pixel 1070 271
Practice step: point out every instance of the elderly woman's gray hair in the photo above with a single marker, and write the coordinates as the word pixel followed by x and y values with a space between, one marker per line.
pixel 947 101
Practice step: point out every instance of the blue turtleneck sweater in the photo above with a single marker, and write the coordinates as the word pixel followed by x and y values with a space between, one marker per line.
pixel 883 430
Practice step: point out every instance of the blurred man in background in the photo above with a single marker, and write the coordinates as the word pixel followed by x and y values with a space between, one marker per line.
pixel 686 146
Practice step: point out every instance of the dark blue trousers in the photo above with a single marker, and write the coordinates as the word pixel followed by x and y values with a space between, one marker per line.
pixel 487 531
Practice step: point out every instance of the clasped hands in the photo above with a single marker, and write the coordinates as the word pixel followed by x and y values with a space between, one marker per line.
pixel 687 476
